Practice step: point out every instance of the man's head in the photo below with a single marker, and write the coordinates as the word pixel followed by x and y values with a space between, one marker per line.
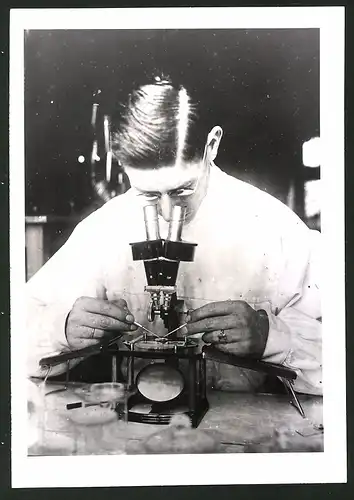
pixel 163 149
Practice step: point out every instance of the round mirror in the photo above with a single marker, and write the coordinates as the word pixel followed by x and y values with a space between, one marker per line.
pixel 160 382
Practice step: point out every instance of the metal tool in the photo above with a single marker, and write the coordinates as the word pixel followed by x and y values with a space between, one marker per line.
pixel 294 399
pixel 174 331
pixel 135 340
pixel 145 329
pixel 80 404
pixel 85 352
pixel 67 376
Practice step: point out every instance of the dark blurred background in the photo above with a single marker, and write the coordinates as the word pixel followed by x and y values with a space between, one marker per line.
pixel 261 86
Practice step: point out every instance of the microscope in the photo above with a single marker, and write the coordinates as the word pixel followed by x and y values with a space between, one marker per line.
pixel 162 382
pixel 161 261
pixel 173 378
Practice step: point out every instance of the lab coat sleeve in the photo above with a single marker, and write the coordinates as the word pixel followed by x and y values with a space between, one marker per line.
pixel 74 271
pixel 295 333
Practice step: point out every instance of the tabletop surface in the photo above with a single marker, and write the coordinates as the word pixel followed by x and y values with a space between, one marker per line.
pixel 235 420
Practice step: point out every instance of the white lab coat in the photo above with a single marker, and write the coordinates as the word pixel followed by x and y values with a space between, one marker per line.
pixel 250 247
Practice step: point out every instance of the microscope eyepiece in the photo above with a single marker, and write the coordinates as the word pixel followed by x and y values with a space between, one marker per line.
pixel 151 222
pixel 176 223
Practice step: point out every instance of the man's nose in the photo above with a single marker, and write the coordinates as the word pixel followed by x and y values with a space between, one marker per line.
pixel 165 207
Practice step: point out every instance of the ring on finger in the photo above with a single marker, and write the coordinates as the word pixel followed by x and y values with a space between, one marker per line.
pixel 92 336
pixel 222 337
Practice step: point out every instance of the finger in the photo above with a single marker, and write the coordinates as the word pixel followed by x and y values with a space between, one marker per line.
pixel 83 336
pixel 101 292
pixel 81 343
pixel 89 333
pixel 216 323
pixel 105 323
pixel 217 309
pixel 94 334
pixel 106 308
pixel 230 337
pixel 121 303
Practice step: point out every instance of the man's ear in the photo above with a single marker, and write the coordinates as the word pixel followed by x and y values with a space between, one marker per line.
pixel 213 141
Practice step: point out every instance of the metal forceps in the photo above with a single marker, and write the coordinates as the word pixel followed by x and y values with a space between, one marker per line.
pixel 175 330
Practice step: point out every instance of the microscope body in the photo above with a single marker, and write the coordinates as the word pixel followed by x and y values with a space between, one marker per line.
pixel 167 354
pixel 161 259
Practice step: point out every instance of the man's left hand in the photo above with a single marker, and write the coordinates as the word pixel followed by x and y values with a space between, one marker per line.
pixel 232 326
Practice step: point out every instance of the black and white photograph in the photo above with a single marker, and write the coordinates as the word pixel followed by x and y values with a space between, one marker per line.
pixel 176 181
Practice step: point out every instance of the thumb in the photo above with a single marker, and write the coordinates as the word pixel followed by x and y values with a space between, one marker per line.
pixel 101 292
pixel 121 303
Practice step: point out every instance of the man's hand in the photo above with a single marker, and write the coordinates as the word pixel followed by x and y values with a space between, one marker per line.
pixel 91 320
pixel 232 326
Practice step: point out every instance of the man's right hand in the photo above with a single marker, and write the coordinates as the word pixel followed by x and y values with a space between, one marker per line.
pixel 92 320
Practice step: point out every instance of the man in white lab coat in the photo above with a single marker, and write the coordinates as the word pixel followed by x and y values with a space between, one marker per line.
pixel 253 288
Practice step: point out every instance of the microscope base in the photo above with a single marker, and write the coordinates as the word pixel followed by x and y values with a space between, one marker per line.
pixel 188 386
pixel 161 413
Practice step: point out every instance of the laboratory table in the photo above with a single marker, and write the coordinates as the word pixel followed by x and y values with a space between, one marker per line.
pixel 237 421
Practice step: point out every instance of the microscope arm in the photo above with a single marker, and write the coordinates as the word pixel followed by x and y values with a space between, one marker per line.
pixel 213 354
pixel 86 352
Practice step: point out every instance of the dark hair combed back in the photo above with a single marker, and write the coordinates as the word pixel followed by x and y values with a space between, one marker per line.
pixel 154 128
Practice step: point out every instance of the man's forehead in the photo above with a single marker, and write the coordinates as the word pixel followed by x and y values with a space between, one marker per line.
pixel 162 179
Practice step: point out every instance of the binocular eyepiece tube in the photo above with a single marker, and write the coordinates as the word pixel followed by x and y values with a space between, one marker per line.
pixel 176 223
pixel 152 223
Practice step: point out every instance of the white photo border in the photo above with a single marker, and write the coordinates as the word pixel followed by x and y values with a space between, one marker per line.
pixel 122 470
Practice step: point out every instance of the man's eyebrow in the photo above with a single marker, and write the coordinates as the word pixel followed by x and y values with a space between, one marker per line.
pixel 183 186
pixel 148 192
